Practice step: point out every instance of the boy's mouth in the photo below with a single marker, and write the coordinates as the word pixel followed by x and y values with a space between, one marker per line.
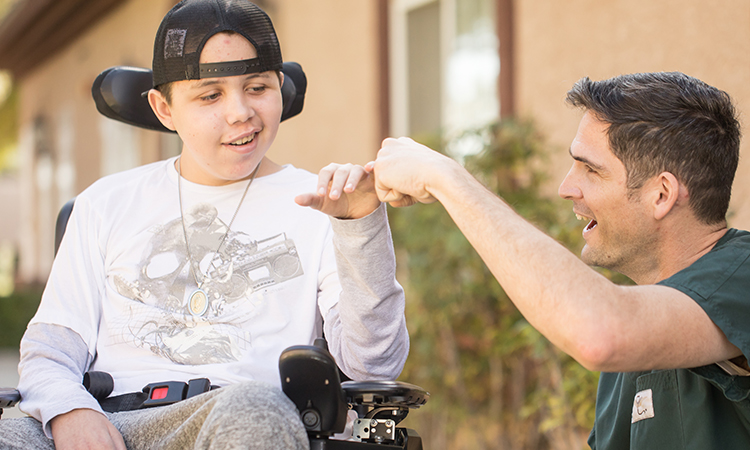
pixel 244 140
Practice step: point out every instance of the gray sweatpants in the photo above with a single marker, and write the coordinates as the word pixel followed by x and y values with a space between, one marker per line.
pixel 244 416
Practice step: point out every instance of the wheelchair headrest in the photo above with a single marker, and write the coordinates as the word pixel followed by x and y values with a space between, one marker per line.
pixel 117 94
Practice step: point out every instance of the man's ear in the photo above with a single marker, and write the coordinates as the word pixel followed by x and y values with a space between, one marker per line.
pixel 161 108
pixel 667 191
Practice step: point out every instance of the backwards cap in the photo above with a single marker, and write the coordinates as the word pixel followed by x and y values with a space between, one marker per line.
pixel 186 28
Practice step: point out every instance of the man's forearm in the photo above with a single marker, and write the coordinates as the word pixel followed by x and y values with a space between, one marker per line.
pixel 556 292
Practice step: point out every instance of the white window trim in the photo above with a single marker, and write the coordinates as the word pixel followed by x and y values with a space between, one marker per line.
pixel 397 42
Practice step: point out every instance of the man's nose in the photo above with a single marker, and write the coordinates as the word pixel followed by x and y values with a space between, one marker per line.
pixel 568 188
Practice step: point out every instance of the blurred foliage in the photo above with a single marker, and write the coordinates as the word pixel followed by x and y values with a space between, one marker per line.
pixel 8 122
pixel 496 383
pixel 15 312
pixel 6 6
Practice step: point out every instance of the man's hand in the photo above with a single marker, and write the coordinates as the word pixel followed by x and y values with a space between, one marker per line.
pixel 85 429
pixel 402 171
pixel 344 191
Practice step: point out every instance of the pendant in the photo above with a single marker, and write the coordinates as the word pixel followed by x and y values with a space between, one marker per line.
pixel 198 302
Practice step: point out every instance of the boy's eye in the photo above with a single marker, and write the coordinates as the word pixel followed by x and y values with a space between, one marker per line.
pixel 257 89
pixel 210 97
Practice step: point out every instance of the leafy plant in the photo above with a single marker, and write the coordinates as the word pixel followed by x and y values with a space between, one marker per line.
pixel 15 312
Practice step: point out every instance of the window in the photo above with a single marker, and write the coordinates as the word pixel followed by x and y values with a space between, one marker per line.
pixel 444 68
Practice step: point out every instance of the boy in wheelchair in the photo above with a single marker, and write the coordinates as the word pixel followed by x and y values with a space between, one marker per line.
pixel 208 265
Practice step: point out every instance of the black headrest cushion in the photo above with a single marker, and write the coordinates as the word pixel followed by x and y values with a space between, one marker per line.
pixel 118 95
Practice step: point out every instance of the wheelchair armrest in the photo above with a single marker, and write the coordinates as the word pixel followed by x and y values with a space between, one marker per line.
pixel 8 398
pixel 310 378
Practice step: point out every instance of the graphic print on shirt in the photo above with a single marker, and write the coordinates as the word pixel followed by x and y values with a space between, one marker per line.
pixel 233 280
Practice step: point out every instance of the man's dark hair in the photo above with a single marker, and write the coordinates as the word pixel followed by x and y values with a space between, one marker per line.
pixel 669 122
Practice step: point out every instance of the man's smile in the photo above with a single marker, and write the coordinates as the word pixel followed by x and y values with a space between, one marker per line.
pixel 590 226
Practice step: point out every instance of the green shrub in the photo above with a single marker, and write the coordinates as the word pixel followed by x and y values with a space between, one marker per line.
pixel 15 312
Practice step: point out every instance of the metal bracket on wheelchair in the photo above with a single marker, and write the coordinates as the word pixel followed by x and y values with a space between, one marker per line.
pixel 375 430
pixel 381 405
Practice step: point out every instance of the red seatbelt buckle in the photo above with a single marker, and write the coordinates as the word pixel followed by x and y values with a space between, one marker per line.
pixel 165 393
pixel 168 392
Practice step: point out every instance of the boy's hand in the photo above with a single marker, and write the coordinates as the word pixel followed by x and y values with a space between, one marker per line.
pixel 345 191
pixel 85 429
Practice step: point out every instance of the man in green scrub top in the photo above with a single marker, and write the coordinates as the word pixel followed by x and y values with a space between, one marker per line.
pixel 654 159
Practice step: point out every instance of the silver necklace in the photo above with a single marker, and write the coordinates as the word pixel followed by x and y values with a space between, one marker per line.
pixel 198 300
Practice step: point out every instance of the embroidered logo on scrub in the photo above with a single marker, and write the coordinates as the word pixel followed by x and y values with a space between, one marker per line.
pixel 643 406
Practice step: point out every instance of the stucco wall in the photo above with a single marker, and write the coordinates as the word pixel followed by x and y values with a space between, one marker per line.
pixel 560 42
pixel 62 85
pixel 336 42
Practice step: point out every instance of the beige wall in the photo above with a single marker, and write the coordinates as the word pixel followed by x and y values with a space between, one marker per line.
pixel 559 42
pixel 335 42
pixel 62 85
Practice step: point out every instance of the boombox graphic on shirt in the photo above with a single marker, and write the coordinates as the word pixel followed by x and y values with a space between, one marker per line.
pixel 231 280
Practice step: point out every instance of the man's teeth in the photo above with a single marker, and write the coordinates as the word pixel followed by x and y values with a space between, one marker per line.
pixel 580 217
pixel 244 140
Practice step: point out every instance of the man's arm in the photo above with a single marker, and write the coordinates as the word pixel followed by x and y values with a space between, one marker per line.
pixel 603 326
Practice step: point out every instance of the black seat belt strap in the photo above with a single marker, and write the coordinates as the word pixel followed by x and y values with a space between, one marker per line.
pixel 101 384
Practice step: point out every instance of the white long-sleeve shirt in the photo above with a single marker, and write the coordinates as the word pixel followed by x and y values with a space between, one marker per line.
pixel 117 299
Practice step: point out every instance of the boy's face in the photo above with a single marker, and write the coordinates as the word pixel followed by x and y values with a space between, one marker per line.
pixel 227 124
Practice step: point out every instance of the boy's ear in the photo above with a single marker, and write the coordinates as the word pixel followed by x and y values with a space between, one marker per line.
pixel 161 108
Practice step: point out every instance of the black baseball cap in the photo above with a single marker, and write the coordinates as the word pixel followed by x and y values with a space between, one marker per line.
pixel 186 28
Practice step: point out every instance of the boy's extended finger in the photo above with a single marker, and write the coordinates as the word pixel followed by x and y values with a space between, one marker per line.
pixel 324 178
pixel 339 181
pixel 355 176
